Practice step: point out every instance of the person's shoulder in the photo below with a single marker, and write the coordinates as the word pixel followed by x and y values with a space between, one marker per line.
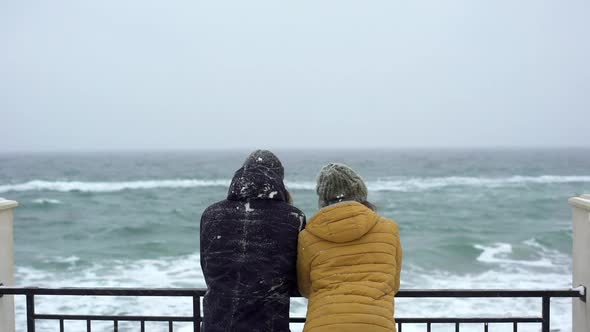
pixel 295 215
pixel 295 211
pixel 387 220
pixel 215 208
pixel 389 223
pixel 290 215
pixel 217 205
pixel 286 208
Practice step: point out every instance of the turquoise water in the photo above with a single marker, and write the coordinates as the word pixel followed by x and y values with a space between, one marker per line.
pixel 468 219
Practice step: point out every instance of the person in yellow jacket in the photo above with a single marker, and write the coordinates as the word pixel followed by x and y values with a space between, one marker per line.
pixel 349 258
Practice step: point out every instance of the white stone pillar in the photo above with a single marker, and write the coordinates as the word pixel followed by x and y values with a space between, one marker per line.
pixel 6 264
pixel 581 260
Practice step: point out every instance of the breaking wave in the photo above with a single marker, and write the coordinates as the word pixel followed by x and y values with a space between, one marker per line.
pixel 498 253
pixel 46 201
pixel 184 271
pixel 393 184
pixel 67 186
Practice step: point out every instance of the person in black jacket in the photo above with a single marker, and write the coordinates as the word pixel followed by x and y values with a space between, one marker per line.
pixel 249 251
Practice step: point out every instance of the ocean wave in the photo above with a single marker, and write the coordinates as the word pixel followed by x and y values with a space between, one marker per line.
pixel 63 260
pixel 497 277
pixel 184 271
pixel 498 253
pixel 420 184
pixel 175 272
pixel 44 201
pixel 392 184
pixel 67 186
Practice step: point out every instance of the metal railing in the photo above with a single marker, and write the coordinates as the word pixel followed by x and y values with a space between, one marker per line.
pixel 196 294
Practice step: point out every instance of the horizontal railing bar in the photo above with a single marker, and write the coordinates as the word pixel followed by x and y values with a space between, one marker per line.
pixel 180 292
pixel 441 320
pixel 420 293
pixel 409 320
pixel 188 292
pixel 115 318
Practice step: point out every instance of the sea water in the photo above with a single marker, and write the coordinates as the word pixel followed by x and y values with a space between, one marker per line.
pixel 468 219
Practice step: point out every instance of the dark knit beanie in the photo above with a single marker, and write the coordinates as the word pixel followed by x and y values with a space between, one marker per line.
pixel 337 183
pixel 267 160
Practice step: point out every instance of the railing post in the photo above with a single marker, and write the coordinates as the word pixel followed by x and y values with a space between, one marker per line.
pixel 196 313
pixel 581 260
pixel 546 325
pixel 30 312
pixel 6 264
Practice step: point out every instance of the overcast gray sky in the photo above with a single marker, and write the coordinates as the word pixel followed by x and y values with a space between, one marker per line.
pixel 140 74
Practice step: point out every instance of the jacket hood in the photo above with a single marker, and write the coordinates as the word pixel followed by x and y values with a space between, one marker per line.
pixel 267 159
pixel 256 182
pixel 342 222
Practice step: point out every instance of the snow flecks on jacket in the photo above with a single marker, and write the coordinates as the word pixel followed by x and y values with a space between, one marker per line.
pixel 247 207
pixel 251 272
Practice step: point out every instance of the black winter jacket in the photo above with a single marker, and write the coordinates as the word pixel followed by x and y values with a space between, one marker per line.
pixel 249 254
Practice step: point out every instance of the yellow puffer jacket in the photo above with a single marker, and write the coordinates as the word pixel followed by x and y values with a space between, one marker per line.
pixel 348 265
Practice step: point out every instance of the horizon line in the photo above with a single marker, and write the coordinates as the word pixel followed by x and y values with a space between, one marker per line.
pixel 298 149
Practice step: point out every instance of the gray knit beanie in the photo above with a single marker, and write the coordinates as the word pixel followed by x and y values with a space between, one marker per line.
pixel 337 183
pixel 265 159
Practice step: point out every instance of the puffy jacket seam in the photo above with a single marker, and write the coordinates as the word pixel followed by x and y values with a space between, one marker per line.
pixel 311 329
pixel 350 243
pixel 314 264
pixel 348 313
pixel 384 293
pixel 380 232
pixel 384 263
pixel 345 273
pixel 359 244
pixel 360 313
pixel 344 255
pixel 349 302
pixel 356 313
pixel 310 243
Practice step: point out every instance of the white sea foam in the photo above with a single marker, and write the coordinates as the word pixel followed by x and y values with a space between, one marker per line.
pixel 179 272
pixel 505 272
pixel 420 184
pixel 390 184
pixel 495 278
pixel 72 260
pixel 498 254
pixel 184 271
pixel 44 201
pixel 66 186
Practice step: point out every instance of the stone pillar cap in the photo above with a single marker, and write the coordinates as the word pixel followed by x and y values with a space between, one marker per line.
pixel 6 204
pixel 582 202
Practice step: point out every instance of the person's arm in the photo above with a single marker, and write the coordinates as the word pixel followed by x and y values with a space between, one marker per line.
pixel 303 269
pixel 204 244
pixel 398 258
pixel 294 292
pixel 303 222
